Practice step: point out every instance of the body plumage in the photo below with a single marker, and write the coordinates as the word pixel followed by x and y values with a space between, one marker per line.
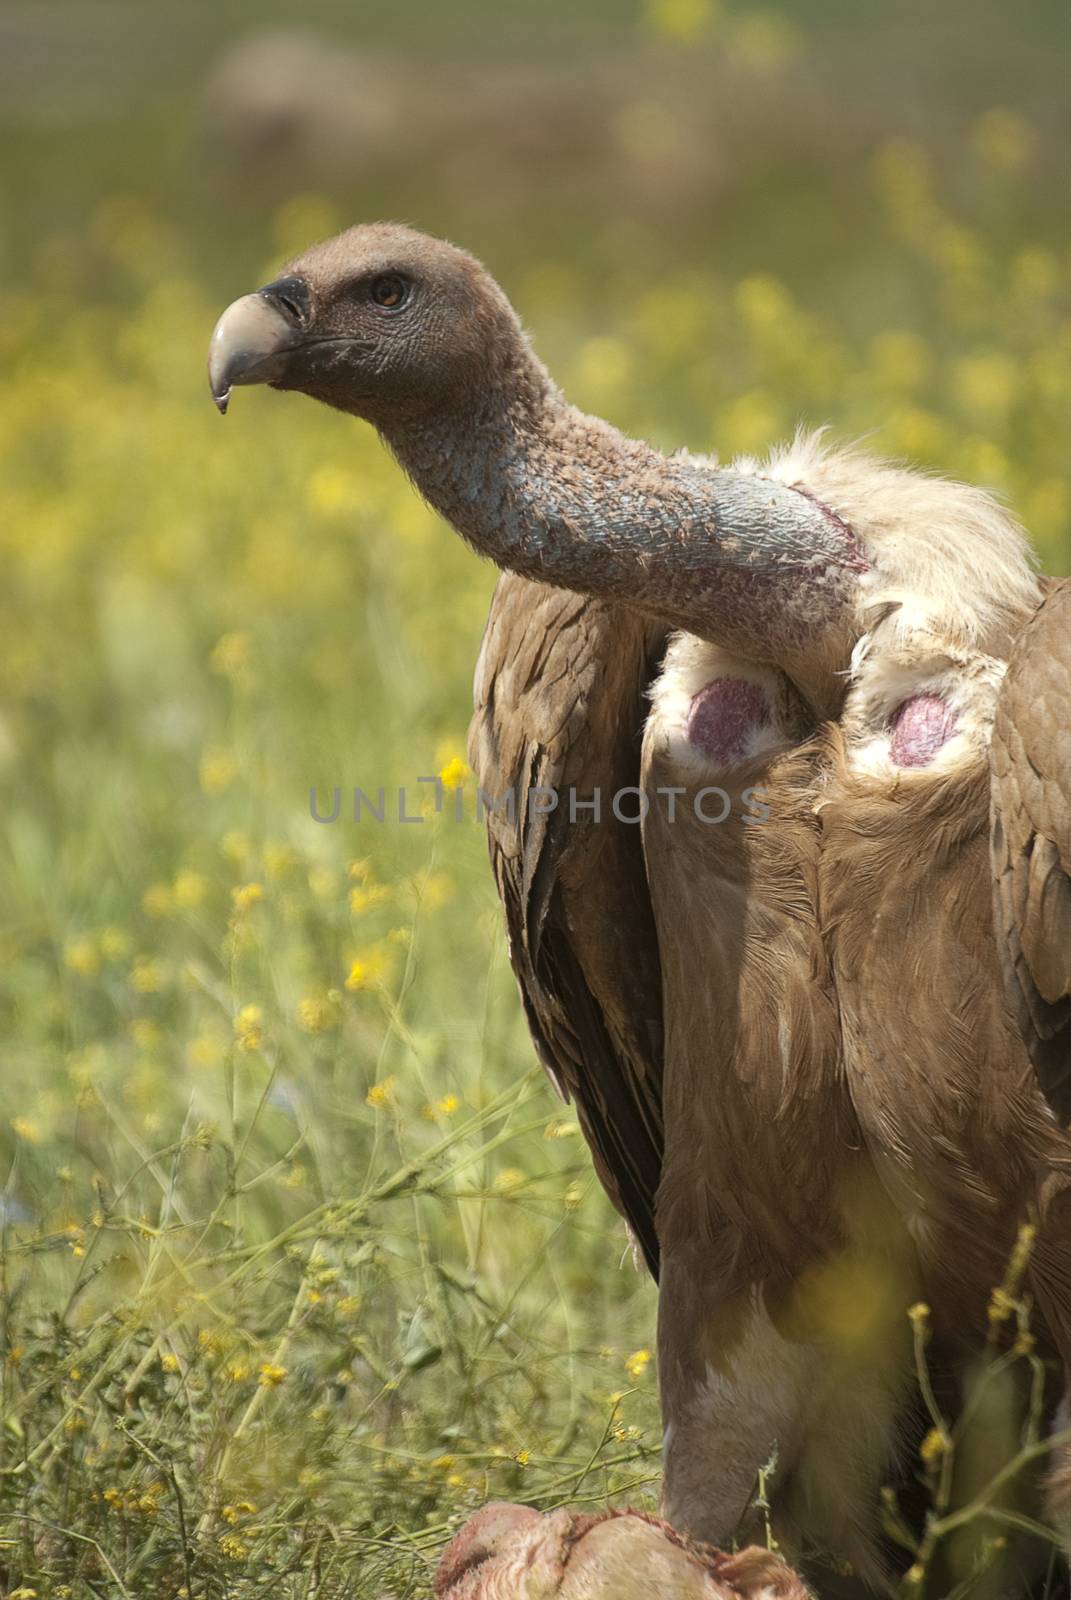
pixel 803 1050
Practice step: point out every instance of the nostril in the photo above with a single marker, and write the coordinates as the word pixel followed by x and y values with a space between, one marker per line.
pixel 291 295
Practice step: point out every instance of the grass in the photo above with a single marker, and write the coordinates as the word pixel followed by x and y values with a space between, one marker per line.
pixel 301 1260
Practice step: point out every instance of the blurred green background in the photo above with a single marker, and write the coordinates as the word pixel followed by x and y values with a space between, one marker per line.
pixel 301 1260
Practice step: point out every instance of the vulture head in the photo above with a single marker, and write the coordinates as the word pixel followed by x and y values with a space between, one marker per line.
pixel 414 335
pixel 382 322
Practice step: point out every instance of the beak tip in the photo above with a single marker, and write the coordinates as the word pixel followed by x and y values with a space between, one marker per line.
pixel 222 401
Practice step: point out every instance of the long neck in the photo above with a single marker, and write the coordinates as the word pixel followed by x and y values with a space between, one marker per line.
pixel 563 498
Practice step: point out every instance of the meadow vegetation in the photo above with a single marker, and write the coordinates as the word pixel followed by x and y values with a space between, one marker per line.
pixel 300 1259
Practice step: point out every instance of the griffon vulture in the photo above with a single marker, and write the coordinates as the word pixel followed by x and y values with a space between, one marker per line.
pixel 780 1004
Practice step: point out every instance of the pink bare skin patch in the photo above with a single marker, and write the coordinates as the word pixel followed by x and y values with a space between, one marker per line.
pixel 921 727
pixel 724 716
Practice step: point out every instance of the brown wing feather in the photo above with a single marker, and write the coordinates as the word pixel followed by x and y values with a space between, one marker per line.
pixel 559 698
pixel 1031 840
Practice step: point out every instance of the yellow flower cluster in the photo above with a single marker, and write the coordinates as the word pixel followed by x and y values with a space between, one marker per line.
pixel 637 1363
pixel 249 1028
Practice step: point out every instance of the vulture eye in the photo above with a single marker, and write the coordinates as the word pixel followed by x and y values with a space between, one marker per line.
pixel 390 291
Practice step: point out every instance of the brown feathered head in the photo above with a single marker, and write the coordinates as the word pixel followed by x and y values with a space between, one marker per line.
pixel 380 321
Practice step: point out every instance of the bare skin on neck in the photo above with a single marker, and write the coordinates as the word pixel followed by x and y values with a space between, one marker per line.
pixel 413 335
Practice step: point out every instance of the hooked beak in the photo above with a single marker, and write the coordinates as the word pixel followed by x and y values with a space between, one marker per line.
pixel 254 336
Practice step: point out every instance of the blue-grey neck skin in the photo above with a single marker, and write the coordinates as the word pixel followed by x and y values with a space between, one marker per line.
pixel 560 497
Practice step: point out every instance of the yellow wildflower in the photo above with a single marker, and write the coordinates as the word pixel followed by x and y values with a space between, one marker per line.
pixel 637 1363
pixel 315 1015
pixel 279 859
pixel 683 20
pixel 1024 1247
pixel 381 1094
pixel 603 364
pixel 248 1028
pixel 232 655
pixel 189 890
pixel 26 1130
pixel 270 1375
pixel 205 1051
pixel 145 976
pixel 236 846
pixel 454 773
pixel 246 896
pixel 763 302
pixel 157 900
pixel 367 897
pixel 934 1446
pixel 233 1548
pixel 509 1179
pixel 236 1371
pixel 750 420
pixel 1001 1306
pixel 915 431
pixel 368 969
pixel 235 1513
pixel 332 489
pixel 83 957
pixel 114 944
pixel 987 386
pixel 145 1033
pixel 218 770
pixel 436 889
